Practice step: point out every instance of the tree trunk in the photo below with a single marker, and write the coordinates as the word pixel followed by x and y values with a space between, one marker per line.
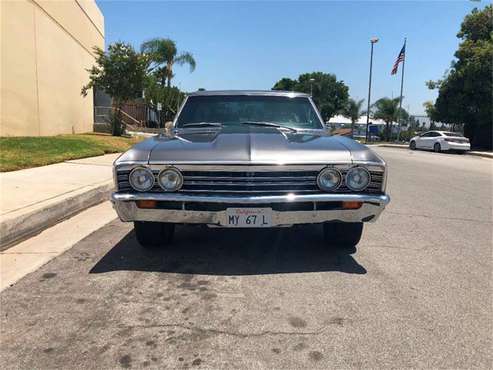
pixel 116 123
pixel 387 131
pixel 479 135
pixel 169 72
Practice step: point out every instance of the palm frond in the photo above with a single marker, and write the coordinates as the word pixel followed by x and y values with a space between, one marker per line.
pixel 159 50
pixel 353 109
pixel 186 58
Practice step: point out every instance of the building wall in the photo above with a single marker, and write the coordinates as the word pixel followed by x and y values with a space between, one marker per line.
pixel 46 47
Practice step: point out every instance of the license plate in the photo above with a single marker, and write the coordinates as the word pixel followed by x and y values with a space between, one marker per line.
pixel 248 217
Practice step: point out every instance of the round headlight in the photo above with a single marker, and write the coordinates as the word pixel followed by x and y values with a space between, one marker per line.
pixel 357 178
pixel 329 179
pixel 141 179
pixel 170 179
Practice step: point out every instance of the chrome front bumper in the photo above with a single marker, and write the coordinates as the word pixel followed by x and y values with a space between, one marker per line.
pixel 125 206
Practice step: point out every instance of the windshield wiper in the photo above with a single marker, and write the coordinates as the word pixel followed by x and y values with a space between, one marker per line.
pixel 268 124
pixel 201 124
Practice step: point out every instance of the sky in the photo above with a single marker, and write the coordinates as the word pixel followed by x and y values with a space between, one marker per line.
pixel 253 44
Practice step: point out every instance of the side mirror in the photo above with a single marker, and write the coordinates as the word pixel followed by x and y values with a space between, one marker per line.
pixel 168 125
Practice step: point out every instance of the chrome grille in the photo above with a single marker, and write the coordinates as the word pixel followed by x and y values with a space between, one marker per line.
pixel 253 182
pixel 250 182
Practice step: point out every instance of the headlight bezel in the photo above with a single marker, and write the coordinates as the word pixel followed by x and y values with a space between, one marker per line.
pixel 179 175
pixel 143 168
pixel 333 170
pixel 357 168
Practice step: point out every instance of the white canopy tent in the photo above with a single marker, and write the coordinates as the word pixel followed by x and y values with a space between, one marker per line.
pixel 339 121
pixel 342 120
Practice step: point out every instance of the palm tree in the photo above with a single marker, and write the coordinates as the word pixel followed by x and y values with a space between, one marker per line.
pixel 163 55
pixel 353 111
pixel 387 110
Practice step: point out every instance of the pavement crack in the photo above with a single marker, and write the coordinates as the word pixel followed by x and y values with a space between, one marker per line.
pixel 440 217
pixel 229 332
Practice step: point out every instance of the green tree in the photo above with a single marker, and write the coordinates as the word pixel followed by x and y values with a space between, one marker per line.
pixel 329 94
pixel 163 55
pixel 465 93
pixel 388 110
pixel 430 111
pixel 285 84
pixel 353 111
pixel 120 72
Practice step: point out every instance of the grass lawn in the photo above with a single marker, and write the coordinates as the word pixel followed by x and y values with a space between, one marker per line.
pixel 17 153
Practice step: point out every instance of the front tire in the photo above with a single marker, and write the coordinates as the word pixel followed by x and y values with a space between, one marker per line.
pixel 412 145
pixel 343 234
pixel 437 148
pixel 154 234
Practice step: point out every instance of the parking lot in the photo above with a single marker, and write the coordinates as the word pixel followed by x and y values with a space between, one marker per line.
pixel 415 293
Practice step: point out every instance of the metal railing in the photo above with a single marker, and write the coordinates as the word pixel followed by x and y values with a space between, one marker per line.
pixel 137 116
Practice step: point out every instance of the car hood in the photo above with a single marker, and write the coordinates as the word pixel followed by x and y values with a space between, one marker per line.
pixel 252 146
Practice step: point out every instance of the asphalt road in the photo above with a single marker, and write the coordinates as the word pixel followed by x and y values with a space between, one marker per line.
pixel 416 293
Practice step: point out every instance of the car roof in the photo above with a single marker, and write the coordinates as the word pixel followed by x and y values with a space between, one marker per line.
pixel 290 94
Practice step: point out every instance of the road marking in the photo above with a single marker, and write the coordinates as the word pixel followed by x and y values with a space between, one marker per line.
pixel 26 257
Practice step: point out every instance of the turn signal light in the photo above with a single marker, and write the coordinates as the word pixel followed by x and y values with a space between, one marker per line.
pixel 352 205
pixel 146 203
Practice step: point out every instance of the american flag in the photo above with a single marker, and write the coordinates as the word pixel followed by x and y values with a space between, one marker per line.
pixel 400 58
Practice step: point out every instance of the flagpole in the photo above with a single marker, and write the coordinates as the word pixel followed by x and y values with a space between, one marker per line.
pixel 402 85
pixel 373 40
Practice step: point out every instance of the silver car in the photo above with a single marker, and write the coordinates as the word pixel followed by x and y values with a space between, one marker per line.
pixel 249 159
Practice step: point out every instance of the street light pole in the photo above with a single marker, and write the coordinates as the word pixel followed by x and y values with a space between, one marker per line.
pixel 373 41
pixel 311 86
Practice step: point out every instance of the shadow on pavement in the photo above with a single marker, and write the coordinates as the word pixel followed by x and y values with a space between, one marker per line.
pixel 200 250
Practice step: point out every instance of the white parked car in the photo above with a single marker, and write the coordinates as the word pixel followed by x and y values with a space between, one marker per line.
pixel 439 141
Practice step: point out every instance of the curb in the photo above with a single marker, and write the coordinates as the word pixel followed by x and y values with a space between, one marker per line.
pixel 479 154
pixel 24 226
pixel 397 146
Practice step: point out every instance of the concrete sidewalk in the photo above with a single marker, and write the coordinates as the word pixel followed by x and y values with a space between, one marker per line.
pixel 33 199
pixel 28 255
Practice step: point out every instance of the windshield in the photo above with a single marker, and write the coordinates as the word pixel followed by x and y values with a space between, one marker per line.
pixel 231 110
